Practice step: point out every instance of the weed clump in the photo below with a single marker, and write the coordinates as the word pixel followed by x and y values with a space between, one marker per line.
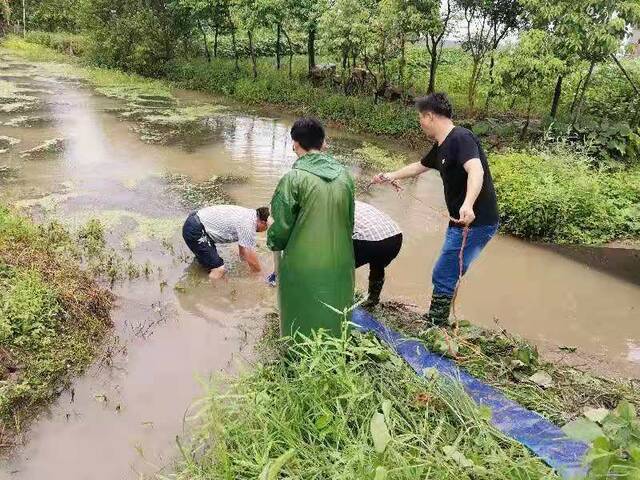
pixel 53 316
pixel 209 192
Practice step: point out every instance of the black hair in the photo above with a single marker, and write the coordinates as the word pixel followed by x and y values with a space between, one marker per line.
pixel 263 213
pixel 308 132
pixel 437 103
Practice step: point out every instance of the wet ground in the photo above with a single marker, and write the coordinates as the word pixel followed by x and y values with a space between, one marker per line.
pixel 107 159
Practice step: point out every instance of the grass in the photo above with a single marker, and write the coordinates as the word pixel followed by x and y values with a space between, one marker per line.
pixel 53 316
pixel 344 409
pixel 350 408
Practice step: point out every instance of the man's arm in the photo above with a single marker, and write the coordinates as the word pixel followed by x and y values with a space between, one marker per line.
pixel 475 179
pixel 249 255
pixel 411 170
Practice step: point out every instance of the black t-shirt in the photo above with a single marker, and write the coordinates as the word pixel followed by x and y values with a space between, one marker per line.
pixel 460 146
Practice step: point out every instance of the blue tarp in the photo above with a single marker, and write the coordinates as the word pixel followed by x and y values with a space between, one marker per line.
pixel 542 437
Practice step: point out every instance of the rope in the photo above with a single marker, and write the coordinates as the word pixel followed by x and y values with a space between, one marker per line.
pixel 465 234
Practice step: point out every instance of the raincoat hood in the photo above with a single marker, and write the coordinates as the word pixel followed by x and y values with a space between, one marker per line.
pixel 320 165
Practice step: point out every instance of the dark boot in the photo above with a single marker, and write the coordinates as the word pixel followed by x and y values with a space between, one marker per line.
pixel 375 287
pixel 438 315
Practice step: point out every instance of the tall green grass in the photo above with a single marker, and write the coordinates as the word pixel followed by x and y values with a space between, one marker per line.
pixel 348 409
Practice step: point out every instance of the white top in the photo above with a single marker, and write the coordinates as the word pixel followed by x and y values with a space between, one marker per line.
pixel 230 223
pixel 372 225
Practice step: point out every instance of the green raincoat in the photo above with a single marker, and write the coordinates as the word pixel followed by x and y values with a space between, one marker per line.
pixel 312 209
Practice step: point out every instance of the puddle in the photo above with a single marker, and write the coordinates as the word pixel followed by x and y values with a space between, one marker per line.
pixel 174 328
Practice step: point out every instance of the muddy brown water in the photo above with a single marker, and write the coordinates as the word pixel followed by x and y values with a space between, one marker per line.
pixel 174 329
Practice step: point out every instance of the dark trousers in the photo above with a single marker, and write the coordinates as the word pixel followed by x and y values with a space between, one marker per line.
pixel 196 238
pixel 378 255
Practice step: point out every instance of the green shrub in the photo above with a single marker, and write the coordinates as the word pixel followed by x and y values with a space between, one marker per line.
pixel 52 315
pixel 556 196
pixel 69 43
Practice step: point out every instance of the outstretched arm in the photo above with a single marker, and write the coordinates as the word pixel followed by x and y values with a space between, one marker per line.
pixel 411 170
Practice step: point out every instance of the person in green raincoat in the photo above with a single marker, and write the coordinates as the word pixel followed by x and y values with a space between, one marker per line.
pixel 312 210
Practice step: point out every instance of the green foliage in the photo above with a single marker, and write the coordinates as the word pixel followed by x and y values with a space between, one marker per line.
pixel 615 441
pixel 555 196
pixel 607 142
pixel 130 35
pixel 52 315
pixel 526 69
pixel 343 409
pixel 62 42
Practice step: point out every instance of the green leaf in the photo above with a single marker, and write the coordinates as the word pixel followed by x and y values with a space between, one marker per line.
pixel 583 429
pixel 323 421
pixel 542 378
pixel 381 473
pixel 626 411
pixel 386 410
pixel 454 454
pixel 596 414
pixel 379 432
pixel 272 469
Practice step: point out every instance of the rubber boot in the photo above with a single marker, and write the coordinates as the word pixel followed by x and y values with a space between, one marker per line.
pixel 375 288
pixel 438 315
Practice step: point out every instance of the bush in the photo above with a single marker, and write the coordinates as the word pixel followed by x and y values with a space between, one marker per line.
pixel 272 86
pixel 52 316
pixel 69 43
pixel 555 196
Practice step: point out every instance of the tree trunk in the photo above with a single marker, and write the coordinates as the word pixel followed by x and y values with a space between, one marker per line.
pixel 403 60
pixel 556 98
pixel 215 43
pixel 626 74
pixel 204 41
pixel 345 59
pixel 473 84
pixel 24 19
pixel 576 94
pixel 585 85
pixel 490 94
pixel 523 134
pixel 433 69
pixel 252 52
pixel 311 48
pixel 235 49
pixel 278 35
pixel 289 44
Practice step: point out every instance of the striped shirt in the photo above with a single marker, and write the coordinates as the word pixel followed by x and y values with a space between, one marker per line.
pixel 372 225
pixel 230 223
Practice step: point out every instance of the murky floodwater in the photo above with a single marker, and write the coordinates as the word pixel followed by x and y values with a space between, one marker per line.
pixel 174 328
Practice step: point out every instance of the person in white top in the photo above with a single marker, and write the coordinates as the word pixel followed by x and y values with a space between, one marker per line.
pixel 224 224
pixel 377 240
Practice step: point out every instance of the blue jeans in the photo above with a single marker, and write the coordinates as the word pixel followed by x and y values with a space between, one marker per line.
pixel 446 271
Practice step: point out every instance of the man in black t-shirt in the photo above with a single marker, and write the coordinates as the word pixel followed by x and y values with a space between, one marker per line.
pixel 468 191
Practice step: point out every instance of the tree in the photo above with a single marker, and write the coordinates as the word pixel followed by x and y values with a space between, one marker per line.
pixel 408 18
pixel 344 28
pixel 434 37
pixel 527 67
pixel 589 30
pixel 487 23
pixel 307 14
pixel 5 16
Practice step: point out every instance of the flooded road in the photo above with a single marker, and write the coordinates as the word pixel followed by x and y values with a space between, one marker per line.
pixel 174 328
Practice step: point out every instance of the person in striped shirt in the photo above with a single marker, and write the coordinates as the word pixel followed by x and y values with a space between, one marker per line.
pixel 224 224
pixel 377 240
